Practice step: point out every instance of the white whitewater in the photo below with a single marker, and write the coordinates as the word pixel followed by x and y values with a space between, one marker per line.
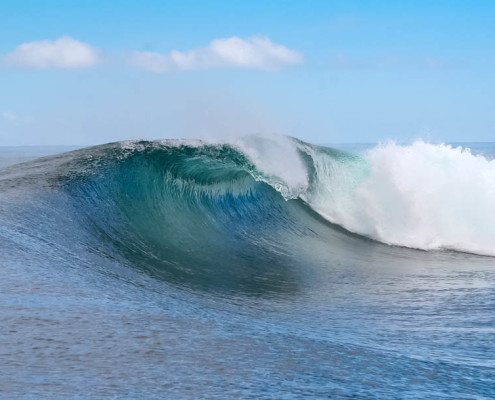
pixel 422 195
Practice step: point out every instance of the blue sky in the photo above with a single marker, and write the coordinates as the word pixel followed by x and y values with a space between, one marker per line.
pixel 87 72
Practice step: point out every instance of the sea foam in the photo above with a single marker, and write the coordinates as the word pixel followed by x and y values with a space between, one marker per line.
pixel 423 195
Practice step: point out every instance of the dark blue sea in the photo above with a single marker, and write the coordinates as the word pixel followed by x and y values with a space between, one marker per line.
pixel 249 268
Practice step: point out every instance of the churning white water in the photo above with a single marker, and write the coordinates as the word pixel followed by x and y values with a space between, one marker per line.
pixel 423 195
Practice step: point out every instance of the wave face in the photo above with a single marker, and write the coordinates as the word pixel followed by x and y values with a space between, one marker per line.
pixel 190 213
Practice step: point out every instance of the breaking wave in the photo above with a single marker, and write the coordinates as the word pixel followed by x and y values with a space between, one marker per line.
pixel 186 204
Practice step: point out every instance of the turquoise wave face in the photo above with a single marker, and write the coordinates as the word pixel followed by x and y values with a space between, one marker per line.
pixel 193 216
pixel 196 216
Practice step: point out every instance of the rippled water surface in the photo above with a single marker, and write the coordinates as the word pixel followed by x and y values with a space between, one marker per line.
pixel 127 275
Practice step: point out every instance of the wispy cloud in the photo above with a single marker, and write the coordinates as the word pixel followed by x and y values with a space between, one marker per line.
pixel 13 118
pixel 8 116
pixel 63 53
pixel 347 62
pixel 255 52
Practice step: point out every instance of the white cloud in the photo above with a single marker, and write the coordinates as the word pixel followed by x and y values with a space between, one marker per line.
pixel 8 116
pixel 63 53
pixel 12 118
pixel 255 52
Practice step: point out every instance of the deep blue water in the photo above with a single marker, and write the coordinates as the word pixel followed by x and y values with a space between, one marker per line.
pixel 152 270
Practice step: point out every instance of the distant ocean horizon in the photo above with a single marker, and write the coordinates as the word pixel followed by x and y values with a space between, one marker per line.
pixel 10 155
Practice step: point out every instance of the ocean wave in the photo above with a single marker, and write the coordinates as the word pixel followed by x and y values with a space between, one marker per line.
pixel 175 195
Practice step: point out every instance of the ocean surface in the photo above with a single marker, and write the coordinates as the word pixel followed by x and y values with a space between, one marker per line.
pixel 250 268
